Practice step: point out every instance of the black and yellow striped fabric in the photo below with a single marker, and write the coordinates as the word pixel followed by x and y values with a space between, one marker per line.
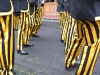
pixel 88 33
pixel 23 30
pixel 61 18
pixel 36 18
pixel 63 24
pixel 68 29
pixel 21 26
pixel 39 15
pixel 71 33
pixel 6 45
pixel 89 58
pixel 32 23
pixel 26 28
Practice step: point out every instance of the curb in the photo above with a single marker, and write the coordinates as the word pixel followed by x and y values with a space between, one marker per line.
pixel 50 19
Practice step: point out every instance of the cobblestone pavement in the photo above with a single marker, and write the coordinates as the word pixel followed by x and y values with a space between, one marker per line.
pixel 47 56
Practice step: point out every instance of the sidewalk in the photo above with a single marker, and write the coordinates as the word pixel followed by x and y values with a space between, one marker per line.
pixel 47 56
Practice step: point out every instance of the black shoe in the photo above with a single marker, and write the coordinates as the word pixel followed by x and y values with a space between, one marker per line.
pixel 62 41
pixel 23 52
pixel 14 72
pixel 74 66
pixel 29 45
pixel 35 36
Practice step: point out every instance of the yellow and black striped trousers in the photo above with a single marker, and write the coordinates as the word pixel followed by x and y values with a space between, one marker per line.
pixel 21 25
pixel 89 38
pixel 60 19
pixel 23 30
pixel 39 12
pixel 6 45
pixel 38 21
pixel 32 24
pixel 26 28
pixel 63 25
pixel 71 33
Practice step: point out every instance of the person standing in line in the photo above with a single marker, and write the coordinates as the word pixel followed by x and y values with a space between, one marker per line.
pixel 27 33
pixel 7 44
pixel 32 15
pixel 37 17
pixel 71 32
pixel 21 7
pixel 62 19
pixel 87 16
pixel 33 7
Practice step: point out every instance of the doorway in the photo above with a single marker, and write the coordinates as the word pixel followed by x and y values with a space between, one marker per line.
pixel 49 8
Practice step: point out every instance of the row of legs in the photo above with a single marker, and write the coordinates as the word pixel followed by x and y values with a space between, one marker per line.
pixel 28 25
pixel 7 40
pixel 81 37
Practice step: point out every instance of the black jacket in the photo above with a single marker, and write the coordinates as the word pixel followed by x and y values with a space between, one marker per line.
pixel 85 9
pixel 20 5
pixel 6 7
pixel 32 2
pixel 33 5
pixel 60 7
pixel 67 5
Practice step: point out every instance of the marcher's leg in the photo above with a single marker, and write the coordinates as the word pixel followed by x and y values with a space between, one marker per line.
pixel 20 35
pixel 27 31
pixel 6 45
pixel 41 16
pixel 36 24
pixel 33 24
pixel 70 33
pixel 90 53
pixel 26 38
pixel 63 26
pixel 89 58
pixel 67 26
pixel 75 49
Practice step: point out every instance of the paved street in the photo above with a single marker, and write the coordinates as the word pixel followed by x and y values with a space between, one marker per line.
pixel 47 56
